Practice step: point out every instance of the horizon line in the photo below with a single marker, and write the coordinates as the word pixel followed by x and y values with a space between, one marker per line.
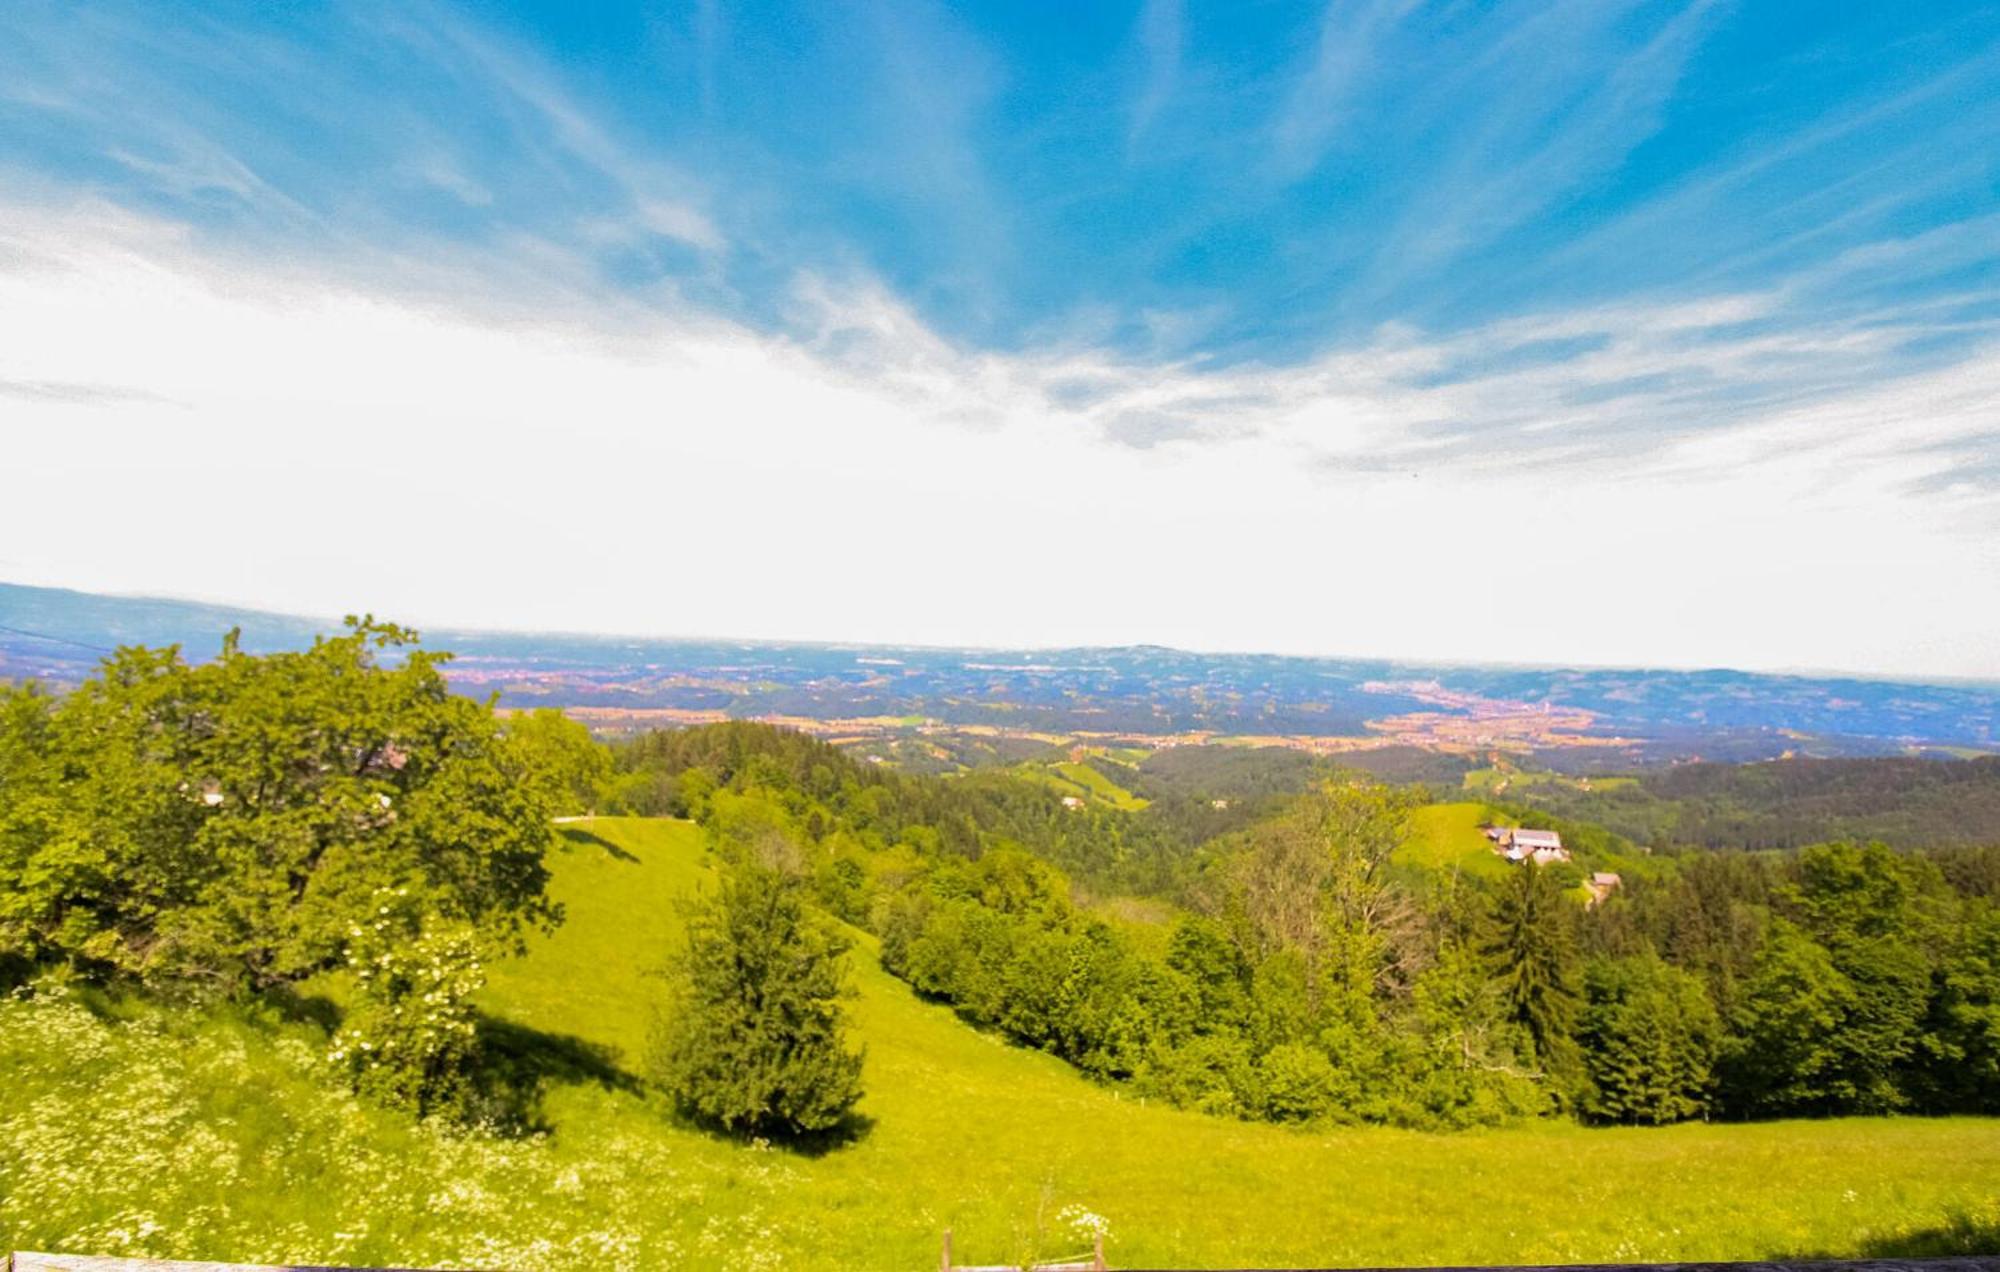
pixel 1976 683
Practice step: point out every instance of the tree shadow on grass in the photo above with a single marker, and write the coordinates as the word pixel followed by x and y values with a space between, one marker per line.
pixel 299 1008
pixel 847 1132
pixel 579 836
pixel 1961 1234
pixel 519 1063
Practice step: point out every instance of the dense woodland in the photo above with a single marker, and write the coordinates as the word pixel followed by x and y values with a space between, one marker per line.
pixel 1790 803
pixel 1308 977
pixel 252 825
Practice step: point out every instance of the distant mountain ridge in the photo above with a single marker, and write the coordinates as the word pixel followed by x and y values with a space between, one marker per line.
pixel 1589 718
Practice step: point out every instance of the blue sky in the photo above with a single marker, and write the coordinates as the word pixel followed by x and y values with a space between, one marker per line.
pixel 1711 286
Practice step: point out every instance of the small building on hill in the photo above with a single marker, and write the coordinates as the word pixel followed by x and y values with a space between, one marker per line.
pixel 1602 884
pixel 1519 843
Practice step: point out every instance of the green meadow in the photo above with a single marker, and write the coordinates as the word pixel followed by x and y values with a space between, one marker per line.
pixel 1494 781
pixel 133 1129
pixel 1447 838
pixel 1083 782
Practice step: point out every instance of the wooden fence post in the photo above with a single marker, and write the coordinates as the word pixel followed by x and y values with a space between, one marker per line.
pixel 1097 1253
pixel 944 1259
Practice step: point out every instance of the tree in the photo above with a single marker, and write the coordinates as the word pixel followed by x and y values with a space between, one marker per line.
pixel 1962 1041
pixel 1879 921
pixel 1463 1069
pixel 1533 948
pixel 1314 881
pixel 1649 1036
pixel 1784 1051
pixel 1201 951
pixel 753 1039
pixel 561 758
pixel 228 824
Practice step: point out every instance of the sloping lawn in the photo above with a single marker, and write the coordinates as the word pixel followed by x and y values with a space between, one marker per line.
pixel 212 1135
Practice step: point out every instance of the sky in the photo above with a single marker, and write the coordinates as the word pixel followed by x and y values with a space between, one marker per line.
pixel 1575 331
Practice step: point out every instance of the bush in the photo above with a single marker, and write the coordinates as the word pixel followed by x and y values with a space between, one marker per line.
pixel 411 1037
pixel 753 1037
pixel 1298 1084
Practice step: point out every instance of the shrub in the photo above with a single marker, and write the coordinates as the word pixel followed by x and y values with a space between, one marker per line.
pixel 411 1036
pixel 753 1037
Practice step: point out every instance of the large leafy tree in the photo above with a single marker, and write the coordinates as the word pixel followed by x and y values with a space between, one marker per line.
pixel 1315 881
pixel 561 757
pixel 1784 1052
pixel 1959 1064
pixel 753 1038
pixel 232 824
pixel 1834 1013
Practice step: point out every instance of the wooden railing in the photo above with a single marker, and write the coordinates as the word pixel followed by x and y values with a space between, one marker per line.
pixel 30 1261
pixel 1091 1262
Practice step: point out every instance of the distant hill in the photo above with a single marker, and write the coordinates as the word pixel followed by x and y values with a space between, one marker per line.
pixel 71 630
pixel 1385 713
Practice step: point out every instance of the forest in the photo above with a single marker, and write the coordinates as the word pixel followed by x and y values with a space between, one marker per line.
pixel 1793 802
pixel 1307 976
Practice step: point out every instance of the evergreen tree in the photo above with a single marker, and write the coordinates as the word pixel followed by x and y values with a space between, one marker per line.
pixel 754 1040
pixel 1533 948
pixel 1649 1037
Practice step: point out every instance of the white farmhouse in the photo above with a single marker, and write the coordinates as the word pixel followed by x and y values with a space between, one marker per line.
pixel 1518 843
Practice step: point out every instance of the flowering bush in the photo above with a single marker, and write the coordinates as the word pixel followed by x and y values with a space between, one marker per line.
pixel 1083 1223
pixel 410 1038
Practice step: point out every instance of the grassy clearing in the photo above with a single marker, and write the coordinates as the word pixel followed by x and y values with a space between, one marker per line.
pixel 1500 781
pixel 1101 787
pixel 1082 782
pixel 210 1135
pixel 1448 837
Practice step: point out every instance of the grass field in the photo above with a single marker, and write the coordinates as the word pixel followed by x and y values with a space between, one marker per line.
pixel 1100 786
pixel 1499 781
pixel 215 1135
pixel 1084 782
pixel 1448 837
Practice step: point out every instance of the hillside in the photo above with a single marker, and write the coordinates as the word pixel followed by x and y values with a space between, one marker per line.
pixel 175 1134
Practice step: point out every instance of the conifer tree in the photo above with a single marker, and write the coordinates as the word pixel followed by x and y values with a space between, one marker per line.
pixel 1534 951
pixel 753 1039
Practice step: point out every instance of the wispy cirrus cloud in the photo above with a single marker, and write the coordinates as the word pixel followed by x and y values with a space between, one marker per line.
pixel 1370 276
pixel 861 435
pixel 1160 34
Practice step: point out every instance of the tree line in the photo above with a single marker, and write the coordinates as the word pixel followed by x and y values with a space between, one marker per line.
pixel 1790 803
pixel 1310 978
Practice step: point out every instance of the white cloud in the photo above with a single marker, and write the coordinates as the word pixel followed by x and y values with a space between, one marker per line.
pixel 307 442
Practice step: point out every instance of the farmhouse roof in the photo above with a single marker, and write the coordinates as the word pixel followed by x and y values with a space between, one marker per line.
pixel 1536 839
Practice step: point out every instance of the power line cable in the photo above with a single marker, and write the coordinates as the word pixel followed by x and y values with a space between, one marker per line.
pixel 60 640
